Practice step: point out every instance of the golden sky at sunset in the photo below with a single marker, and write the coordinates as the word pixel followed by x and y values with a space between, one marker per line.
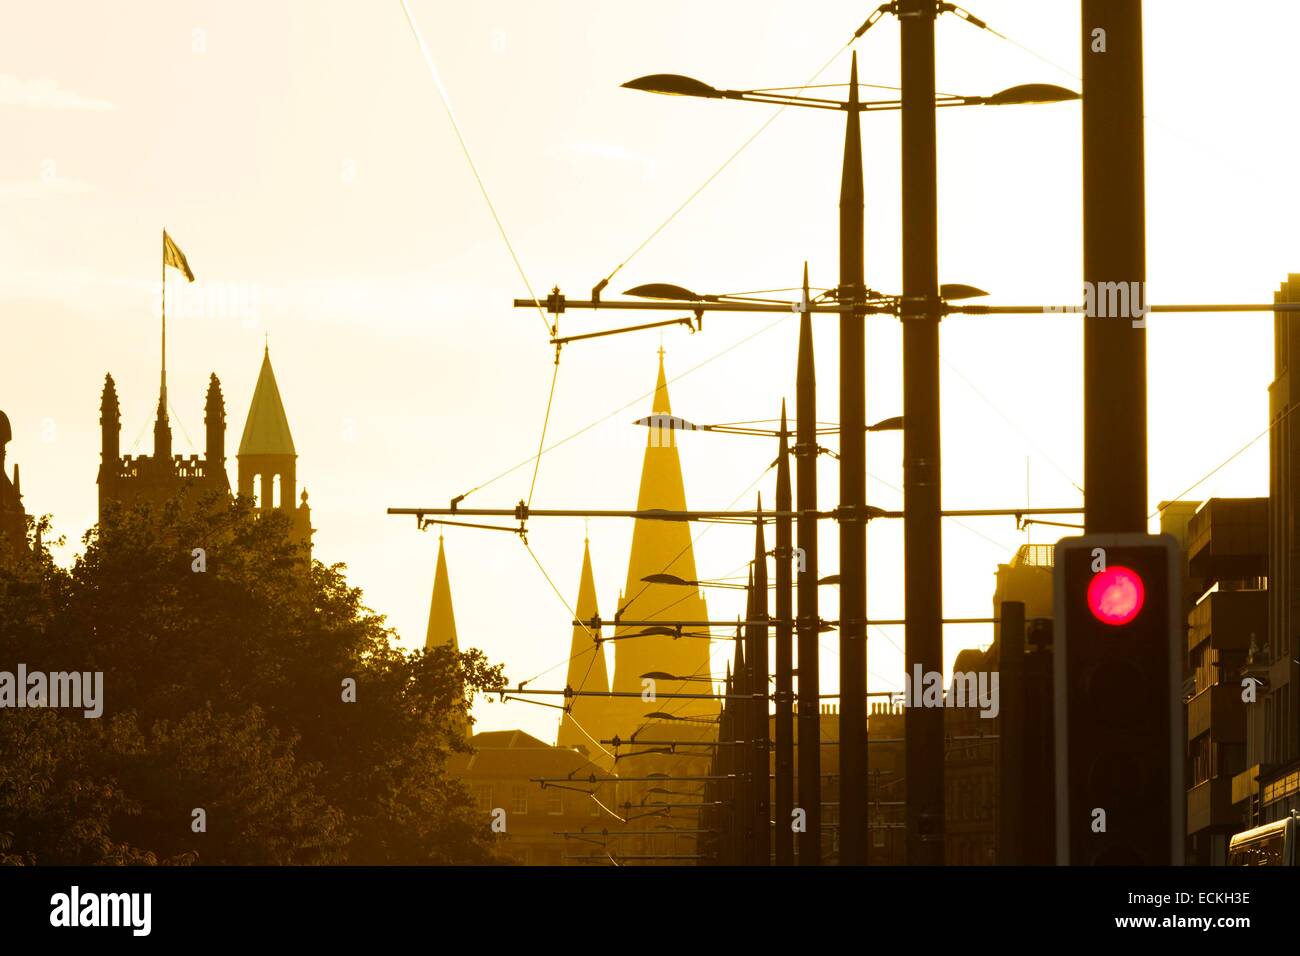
pixel 300 154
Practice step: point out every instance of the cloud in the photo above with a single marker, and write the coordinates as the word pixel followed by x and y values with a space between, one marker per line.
pixel 43 93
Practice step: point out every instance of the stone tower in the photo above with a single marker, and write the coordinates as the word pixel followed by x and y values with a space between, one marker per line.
pixel 13 519
pixel 267 459
pixel 125 480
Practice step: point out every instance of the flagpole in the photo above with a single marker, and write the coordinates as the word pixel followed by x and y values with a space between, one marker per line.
pixel 164 316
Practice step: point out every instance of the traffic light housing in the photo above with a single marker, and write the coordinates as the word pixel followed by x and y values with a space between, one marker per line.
pixel 1118 678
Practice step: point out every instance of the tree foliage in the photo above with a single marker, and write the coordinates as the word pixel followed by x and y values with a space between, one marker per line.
pixel 223 692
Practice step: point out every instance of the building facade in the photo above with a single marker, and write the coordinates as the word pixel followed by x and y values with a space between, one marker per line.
pixel 1227 556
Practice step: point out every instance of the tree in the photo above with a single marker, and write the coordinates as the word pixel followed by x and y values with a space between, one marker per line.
pixel 223 688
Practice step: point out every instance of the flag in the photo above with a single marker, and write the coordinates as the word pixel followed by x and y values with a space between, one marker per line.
pixel 172 256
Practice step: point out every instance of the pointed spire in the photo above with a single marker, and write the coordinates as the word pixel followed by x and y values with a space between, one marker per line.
pixel 214 417
pixel 266 432
pixel 661 404
pixel 108 399
pixel 442 620
pixel 587 670
pixel 110 421
pixel 659 547
pixel 162 429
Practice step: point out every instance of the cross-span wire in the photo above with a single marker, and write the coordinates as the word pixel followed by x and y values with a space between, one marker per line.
pixel 469 158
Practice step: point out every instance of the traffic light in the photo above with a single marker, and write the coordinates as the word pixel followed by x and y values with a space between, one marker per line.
pixel 1118 676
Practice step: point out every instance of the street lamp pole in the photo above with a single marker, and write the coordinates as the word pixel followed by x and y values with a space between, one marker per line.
pixel 809 619
pixel 922 532
pixel 853 496
pixel 756 641
pixel 783 836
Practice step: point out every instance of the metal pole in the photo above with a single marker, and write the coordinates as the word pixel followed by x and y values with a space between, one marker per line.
pixel 727 811
pixel 1114 251
pixel 922 535
pixel 1011 742
pixel 853 499
pixel 783 835
pixel 809 723
pixel 744 756
pixel 756 635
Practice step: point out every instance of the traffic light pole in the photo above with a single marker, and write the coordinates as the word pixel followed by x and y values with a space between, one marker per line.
pixel 1114 251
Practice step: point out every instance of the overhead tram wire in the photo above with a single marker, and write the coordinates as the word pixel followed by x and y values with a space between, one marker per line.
pixel 690 545
pixel 622 408
pixel 469 158
pixel 1223 464
pixel 1201 145
pixel 596 639
pixel 727 162
pixel 1023 434
pixel 496 218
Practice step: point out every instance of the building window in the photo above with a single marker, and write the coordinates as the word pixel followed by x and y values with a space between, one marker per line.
pixel 519 799
pixel 275 492
pixel 483 797
pixel 555 802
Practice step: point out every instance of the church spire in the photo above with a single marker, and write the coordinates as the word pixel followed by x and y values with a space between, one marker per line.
pixel 267 430
pixel 441 632
pixel 587 671
pixel 442 620
pixel 660 547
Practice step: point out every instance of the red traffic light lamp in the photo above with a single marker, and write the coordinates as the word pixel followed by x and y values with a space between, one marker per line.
pixel 1116 595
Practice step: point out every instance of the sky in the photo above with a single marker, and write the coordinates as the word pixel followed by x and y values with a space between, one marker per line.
pixel 303 156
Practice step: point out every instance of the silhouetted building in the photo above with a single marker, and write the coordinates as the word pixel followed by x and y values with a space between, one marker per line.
pixel 1269 788
pixel 1227 555
pixel 127 480
pixel 1027 578
pixel 970 766
pixel 267 459
pixel 886 787
pixel 654 809
pixel 13 519
pixel 500 775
